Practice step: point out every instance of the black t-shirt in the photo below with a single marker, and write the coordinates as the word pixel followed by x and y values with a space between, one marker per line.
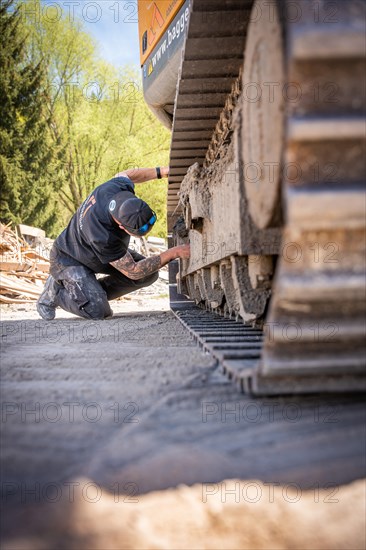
pixel 92 237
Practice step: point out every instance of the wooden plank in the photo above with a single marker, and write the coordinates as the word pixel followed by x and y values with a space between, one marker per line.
pixel 14 266
pixel 33 255
pixel 8 281
pixel 18 266
pixel 28 230
pixel 8 300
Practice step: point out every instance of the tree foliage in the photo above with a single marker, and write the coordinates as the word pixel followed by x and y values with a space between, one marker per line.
pixel 92 121
pixel 28 164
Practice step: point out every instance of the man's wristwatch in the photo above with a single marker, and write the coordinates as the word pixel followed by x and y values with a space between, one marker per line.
pixel 158 172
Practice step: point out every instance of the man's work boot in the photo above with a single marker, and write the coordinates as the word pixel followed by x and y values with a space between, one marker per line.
pixel 46 304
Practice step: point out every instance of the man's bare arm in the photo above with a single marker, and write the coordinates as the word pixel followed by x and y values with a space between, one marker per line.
pixel 147 266
pixel 139 175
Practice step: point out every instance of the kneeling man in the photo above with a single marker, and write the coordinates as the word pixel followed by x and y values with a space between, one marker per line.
pixel 96 241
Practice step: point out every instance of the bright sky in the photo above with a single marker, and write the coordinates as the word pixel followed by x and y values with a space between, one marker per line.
pixel 112 22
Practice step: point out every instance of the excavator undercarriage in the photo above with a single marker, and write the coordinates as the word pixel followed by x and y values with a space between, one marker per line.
pixel 267 183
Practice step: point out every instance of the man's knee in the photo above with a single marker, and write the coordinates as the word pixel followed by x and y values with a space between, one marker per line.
pixel 97 307
pixel 86 293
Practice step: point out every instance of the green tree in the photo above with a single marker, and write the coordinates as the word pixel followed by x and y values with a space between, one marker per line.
pixel 29 166
pixel 70 121
pixel 97 113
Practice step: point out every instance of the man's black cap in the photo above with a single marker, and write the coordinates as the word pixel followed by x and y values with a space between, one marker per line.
pixel 132 213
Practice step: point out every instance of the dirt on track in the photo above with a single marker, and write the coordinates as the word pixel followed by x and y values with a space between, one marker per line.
pixel 119 434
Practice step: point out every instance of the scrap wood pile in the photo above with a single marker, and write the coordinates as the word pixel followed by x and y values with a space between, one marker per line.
pixel 24 263
pixel 23 268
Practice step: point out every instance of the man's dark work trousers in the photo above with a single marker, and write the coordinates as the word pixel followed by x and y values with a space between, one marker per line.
pixel 83 294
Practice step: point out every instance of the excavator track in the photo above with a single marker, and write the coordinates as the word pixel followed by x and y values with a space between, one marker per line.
pixel 238 350
pixel 290 258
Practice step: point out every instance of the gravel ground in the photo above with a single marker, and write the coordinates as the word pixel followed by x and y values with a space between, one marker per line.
pixel 136 421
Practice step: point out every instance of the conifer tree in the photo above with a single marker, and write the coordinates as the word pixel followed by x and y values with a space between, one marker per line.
pixel 29 166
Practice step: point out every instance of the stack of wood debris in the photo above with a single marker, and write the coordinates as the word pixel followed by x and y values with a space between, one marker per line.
pixel 24 267
pixel 24 261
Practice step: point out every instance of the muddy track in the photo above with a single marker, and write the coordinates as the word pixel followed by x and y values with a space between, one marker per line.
pixel 244 233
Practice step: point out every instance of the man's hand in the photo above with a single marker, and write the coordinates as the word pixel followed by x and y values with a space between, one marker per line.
pixel 164 171
pixel 183 251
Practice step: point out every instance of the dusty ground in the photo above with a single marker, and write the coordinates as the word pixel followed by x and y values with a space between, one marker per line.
pixel 102 421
